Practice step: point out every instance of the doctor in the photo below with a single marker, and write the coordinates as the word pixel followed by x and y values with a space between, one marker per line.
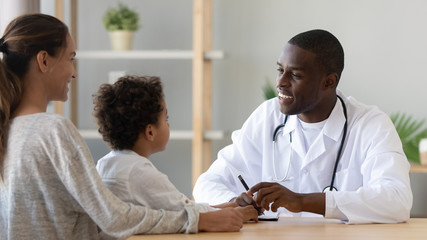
pixel 312 150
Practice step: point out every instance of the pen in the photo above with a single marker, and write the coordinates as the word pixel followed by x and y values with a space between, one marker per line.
pixel 243 182
pixel 260 212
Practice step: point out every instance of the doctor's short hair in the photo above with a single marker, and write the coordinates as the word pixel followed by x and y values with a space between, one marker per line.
pixel 124 109
pixel 328 50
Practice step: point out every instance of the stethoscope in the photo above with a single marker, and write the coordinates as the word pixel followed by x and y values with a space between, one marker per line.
pixel 276 130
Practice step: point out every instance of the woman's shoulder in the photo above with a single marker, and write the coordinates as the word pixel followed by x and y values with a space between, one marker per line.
pixel 51 126
pixel 44 118
pixel 43 123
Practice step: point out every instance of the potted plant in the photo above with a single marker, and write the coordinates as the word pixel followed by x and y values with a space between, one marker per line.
pixel 121 23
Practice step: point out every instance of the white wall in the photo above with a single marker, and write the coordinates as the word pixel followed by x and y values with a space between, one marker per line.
pixel 384 43
pixel 9 9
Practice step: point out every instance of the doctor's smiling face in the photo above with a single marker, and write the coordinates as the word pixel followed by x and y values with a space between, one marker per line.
pixel 300 85
pixel 309 69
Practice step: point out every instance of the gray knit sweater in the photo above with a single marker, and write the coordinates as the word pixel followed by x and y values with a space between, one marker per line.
pixel 50 189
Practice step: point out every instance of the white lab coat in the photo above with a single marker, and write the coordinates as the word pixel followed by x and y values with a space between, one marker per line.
pixel 372 176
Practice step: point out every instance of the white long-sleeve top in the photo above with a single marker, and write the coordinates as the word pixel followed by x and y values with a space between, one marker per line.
pixel 50 189
pixel 134 178
pixel 372 176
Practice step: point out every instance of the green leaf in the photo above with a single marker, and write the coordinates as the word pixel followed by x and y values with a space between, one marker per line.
pixel 410 131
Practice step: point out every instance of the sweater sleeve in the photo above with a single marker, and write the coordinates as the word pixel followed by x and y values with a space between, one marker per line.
pixel 76 169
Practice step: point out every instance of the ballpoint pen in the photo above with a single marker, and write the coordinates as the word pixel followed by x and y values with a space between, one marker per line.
pixel 243 182
pixel 247 189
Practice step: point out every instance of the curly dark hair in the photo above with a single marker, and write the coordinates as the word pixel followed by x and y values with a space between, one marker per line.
pixel 124 109
pixel 328 49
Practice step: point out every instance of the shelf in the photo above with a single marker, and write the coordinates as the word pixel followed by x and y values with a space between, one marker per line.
pixel 174 135
pixel 146 54
pixel 417 168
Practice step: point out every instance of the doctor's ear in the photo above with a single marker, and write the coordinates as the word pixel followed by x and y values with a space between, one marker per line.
pixel 331 81
pixel 42 59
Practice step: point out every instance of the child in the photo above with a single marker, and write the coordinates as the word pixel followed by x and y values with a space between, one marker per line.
pixel 132 119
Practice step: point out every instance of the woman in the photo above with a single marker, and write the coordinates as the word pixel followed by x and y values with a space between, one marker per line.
pixel 49 186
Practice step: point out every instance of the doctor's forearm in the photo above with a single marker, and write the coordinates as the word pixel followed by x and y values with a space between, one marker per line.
pixel 313 202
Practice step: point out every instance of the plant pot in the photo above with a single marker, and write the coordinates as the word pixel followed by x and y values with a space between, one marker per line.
pixel 121 40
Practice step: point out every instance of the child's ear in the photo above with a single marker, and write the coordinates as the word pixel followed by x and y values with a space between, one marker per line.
pixel 150 132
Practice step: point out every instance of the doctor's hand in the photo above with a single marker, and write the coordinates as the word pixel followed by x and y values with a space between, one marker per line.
pixel 280 196
pixel 244 199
